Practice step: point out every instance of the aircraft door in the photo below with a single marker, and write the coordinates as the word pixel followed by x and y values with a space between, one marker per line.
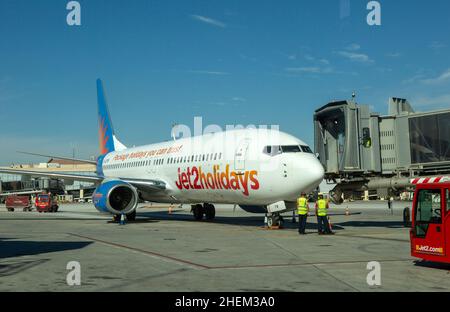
pixel 241 155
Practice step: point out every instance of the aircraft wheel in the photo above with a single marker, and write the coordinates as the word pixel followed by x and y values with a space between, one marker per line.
pixel 210 211
pixel 270 221
pixel 198 212
pixel 274 220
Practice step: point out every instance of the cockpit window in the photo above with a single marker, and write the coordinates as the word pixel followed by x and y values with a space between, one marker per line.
pixel 272 150
pixel 277 149
pixel 291 149
pixel 306 149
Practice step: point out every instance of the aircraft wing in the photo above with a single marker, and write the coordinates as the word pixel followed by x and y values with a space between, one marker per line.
pixel 20 193
pixel 72 177
pixel 147 185
pixel 91 162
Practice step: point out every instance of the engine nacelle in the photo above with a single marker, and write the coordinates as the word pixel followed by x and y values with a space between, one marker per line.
pixel 116 197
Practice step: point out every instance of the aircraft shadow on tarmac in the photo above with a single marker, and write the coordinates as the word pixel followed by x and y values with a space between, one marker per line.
pixel 384 224
pixel 257 221
pixel 52 219
pixel 12 248
pixel 253 221
pixel 432 265
pixel 137 221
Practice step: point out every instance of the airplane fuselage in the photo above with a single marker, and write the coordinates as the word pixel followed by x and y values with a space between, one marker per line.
pixel 244 167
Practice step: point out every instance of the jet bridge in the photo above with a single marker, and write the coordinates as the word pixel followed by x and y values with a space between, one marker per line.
pixel 346 138
pixel 362 151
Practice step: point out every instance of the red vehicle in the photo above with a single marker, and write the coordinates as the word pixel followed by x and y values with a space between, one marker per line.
pixel 46 203
pixel 18 202
pixel 430 232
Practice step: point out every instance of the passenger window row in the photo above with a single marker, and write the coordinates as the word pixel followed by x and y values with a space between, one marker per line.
pixel 135 164
pixel 194 158
pixel 170 160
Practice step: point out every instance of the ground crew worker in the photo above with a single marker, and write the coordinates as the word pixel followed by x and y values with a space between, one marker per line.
pixel 322 207
pixel 302 210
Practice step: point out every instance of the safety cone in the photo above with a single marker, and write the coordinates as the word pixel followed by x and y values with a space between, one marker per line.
pixel 347 212
pixel 170 209
pixel 330 224
pixel 122 219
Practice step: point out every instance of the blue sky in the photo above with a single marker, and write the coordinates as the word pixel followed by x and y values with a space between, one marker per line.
pixel 231 62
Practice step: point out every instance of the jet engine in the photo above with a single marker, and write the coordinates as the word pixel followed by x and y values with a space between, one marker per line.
pixel 116 197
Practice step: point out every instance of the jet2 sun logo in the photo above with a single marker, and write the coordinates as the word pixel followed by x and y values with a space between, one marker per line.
pixel 104 137
pixel 194 178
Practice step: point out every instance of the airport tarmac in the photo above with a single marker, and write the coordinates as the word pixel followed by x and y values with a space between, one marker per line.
pixel 171 252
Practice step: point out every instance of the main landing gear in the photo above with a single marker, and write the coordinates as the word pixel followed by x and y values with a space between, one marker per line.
pixel 207 210
pixel 274 219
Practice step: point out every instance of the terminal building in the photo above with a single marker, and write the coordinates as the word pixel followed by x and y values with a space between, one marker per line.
pixel 16 183
pixel 364 152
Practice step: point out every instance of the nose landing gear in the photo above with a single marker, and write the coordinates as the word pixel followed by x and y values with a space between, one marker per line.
pixel 274 220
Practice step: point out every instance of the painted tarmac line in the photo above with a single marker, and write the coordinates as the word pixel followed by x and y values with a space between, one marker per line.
pixel 205 267
pixel 146 252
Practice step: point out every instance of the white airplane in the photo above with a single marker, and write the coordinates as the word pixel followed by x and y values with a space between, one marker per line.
pixel 261 170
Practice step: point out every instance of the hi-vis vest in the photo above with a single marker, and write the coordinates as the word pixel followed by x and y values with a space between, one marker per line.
pixel 302 206
pixel 321 207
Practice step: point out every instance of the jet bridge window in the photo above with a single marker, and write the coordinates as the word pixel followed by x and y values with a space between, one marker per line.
pixel 429 138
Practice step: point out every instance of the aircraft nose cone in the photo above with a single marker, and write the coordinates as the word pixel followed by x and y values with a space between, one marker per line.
pixel 310 172
pixel 316 173
pixel 313 173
